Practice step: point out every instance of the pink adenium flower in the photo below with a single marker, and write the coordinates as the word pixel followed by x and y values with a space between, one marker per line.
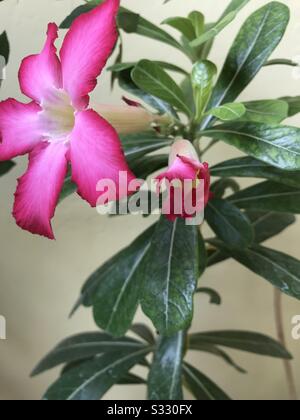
pixel 183 175
pixel 57 127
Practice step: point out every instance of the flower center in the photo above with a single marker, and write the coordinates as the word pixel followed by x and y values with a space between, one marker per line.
pixel 57 117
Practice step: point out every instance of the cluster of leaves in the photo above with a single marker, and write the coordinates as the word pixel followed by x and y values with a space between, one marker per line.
pixel 161 268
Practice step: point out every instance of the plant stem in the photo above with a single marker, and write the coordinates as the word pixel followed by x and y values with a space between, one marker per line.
pixel 281 336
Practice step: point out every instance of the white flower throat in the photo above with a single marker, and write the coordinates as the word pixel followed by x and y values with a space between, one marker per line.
pixel 57 117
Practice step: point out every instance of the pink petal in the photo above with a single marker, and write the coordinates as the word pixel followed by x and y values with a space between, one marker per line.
pixel 40 73
pixel 86 48
pixel 39 189
pixel 96 154
pixel 181 169
pixel 19 131
pixel 185 168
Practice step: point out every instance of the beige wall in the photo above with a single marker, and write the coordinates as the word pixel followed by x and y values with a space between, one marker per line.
pixel 40 280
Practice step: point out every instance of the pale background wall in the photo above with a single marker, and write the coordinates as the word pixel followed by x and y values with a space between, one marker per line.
pixel 40 280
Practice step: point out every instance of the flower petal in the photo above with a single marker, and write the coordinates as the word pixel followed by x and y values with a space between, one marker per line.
pixel 181 169
pixel 38 190
pixel 40 73
pixel 86 48
pixel 96 154
pixel 19 129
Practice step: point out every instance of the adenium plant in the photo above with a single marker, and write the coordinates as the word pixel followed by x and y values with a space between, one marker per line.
pixel 161 130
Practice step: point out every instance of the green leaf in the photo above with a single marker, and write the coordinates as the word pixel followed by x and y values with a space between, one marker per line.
pixel 268 196
pixel 224 21
pixel 119 67
pixel 4 47
pixel 165 377
pixel 5 167
pixel 201 386
pixel 266 225
pixel 293 104
pixel 84 346
pixel 153 79
pixel 149 30
pixel 202 255
pixel 144 332
pixel 183 25
pixel 247 167
pixel 126 83
pixel 211 349
pixel 281 62
pixel 137 145
pixel 215 298
pixel 242 340
pixel 170 276
pixel 278 145
pixel 228 112
pixel 203 74
pixel 144 166
pixel 233 5
pixel 229 223
pixel 281 270
pixel 198 22
pixel 266 111
pixel 91 380
pixel 114 289
pixel 257 39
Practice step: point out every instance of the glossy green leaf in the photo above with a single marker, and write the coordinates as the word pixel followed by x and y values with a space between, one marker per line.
pixel 257 39
pixel 203 388
pixel 248 167
pixel 266 111
pixel 293 104
pixel 153 79
pixel 214 350
pixel 198 22
pixel 266 225
pixel 242 340
pixel 215 298
pixel 183 25
pixel 281 62
pixel 268 196
pixel 5 167
pixel 127 84
pixel 137 145
pixel 115 288
pixel 130 65
pixel 84 346
pixel 149 30
pixel 203 74
pixel 144 166
pixel 281 270
pixel 277 145
pixel 228 112
pixel 165 377
pixel 4 47
pixel 224 21
pixel 91 380
pixel 233 5
pixel 170 276
pixel 229 223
